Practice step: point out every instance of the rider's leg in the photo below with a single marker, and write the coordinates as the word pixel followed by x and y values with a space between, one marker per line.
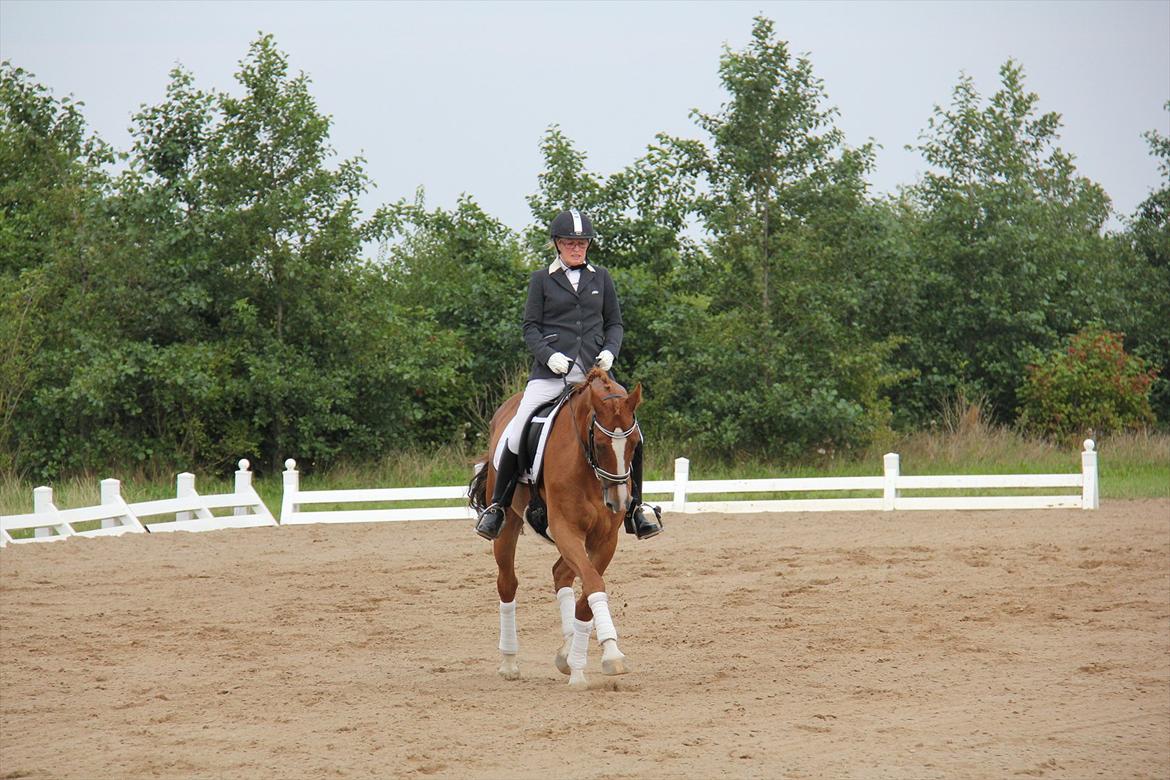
pixel 536 392
pixel 492 519
pixel 636 521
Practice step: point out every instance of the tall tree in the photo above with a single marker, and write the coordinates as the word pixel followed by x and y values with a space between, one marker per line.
pixel 467 272
pixel 783 200
pixel 1149 288
pixel 1010 245
pixel 52 186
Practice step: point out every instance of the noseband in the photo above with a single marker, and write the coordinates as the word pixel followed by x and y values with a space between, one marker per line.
pixel 591 452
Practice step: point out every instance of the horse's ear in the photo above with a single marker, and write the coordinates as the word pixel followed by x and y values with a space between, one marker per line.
pixel 636 397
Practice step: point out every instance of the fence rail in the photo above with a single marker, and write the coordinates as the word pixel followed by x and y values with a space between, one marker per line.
pixel 189 511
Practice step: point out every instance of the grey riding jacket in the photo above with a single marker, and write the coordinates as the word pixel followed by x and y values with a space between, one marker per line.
pixel 577 323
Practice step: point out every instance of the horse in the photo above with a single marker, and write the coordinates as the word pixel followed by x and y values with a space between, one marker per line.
pixel 586 489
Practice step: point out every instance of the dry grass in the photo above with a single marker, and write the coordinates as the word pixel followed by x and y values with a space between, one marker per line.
pixel 1133 465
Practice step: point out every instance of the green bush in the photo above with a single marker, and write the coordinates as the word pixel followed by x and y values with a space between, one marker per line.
pixel 1091 387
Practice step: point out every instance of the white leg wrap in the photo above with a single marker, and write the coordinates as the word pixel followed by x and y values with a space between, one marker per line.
pixel 599 602
pixel 568 604
pixel 508 642
pixel 578 653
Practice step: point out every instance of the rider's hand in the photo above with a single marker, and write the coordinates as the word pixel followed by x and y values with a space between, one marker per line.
pixel 558 363
pixel 605 360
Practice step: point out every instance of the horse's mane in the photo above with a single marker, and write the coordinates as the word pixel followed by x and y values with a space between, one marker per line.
pixel 596 373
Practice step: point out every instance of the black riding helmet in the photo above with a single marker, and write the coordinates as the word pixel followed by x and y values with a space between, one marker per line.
pixel 571 223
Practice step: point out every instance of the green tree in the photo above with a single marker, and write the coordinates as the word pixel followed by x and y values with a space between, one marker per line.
pixel 1149 282
pixel 52 186
pixel 468 273
pixel 793 241
pixel 1010 246
pixel 221 307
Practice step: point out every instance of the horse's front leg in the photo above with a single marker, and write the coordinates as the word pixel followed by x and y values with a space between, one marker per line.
pixel 592 609
pixel 613 662
pixel 504 549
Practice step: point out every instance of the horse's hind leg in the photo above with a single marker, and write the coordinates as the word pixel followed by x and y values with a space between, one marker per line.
pixel 563 576
pixel 504 549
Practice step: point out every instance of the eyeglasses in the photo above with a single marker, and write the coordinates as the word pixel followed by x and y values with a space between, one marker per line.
pixel 574 243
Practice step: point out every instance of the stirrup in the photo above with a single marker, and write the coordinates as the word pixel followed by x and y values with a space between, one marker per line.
pixel 646 528
pixel 491 521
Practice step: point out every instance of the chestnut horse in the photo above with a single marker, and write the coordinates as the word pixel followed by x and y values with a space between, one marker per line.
pixel 585 486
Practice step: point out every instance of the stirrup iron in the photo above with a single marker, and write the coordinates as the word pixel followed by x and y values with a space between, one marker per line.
pixel 647 528
pixel 489 527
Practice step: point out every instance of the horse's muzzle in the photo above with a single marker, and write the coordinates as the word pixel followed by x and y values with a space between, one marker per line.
pixel 616 495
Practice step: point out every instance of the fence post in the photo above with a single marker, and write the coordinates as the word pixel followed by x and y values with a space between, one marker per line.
pixel 682 472
pixel 1090 497
pixel 292 485
pixel 243 483
pixel 43 505
pixel 891 470
pixel 184 487
pixel 111 494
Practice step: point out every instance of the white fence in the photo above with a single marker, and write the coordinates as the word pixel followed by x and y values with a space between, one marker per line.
pixel 187 511
pixel 192 512
pixel 680 490
pixel 292 513
pixel 891 484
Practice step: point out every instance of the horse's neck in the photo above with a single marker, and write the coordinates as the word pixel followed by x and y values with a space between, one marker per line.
pixel 576 433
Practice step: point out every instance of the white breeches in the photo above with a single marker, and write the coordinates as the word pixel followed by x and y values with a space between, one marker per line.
pixel 536 392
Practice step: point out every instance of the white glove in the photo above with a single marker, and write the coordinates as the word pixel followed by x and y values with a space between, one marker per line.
pixel 605 360
pixel 558 363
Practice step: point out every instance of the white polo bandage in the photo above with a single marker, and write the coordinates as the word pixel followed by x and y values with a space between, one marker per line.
pixel 509 643
pixel 568 604
pixel 599 603
pixel 579 650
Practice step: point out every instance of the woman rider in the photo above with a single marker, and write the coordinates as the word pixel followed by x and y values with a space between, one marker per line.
pixel 571 319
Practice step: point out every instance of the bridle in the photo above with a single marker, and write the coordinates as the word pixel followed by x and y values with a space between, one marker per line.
pixel 590 450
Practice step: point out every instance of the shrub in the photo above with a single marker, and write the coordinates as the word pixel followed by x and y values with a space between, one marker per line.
pixel 1091 387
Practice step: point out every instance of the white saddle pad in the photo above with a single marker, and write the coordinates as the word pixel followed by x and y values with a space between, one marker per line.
pixel 545 421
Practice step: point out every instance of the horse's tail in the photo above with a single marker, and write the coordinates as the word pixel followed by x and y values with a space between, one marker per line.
pixel 477 487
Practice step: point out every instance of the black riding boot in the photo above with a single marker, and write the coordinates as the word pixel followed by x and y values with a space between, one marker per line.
pixel 491 520
pixel 636 521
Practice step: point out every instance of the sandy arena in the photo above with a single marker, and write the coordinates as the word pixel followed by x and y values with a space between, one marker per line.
pixel 848 645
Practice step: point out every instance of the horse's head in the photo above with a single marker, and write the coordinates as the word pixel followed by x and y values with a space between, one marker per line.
pixel 613 434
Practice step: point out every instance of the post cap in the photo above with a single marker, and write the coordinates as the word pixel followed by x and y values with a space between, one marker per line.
pixel 244 464
pixel 1090 445
pixel 290 465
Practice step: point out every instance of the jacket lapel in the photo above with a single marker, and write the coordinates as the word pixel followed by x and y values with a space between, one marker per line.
pixel 560 278
pixel 586 280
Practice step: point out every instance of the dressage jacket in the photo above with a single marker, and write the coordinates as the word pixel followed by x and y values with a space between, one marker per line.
pixel 577 323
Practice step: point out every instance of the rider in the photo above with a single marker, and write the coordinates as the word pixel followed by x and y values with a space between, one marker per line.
pixel 571 320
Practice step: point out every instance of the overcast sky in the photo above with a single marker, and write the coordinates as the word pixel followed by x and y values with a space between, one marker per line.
pixel 455 97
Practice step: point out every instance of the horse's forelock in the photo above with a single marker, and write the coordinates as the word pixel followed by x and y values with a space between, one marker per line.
pixel 609 399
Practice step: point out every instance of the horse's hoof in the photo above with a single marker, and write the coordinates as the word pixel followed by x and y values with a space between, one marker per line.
pixel 612 660
pixel 509 667
pixel 562 659
pixel 612 666
pixel 577 680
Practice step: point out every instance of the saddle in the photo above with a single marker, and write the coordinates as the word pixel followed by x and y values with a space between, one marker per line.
pixel 531 458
